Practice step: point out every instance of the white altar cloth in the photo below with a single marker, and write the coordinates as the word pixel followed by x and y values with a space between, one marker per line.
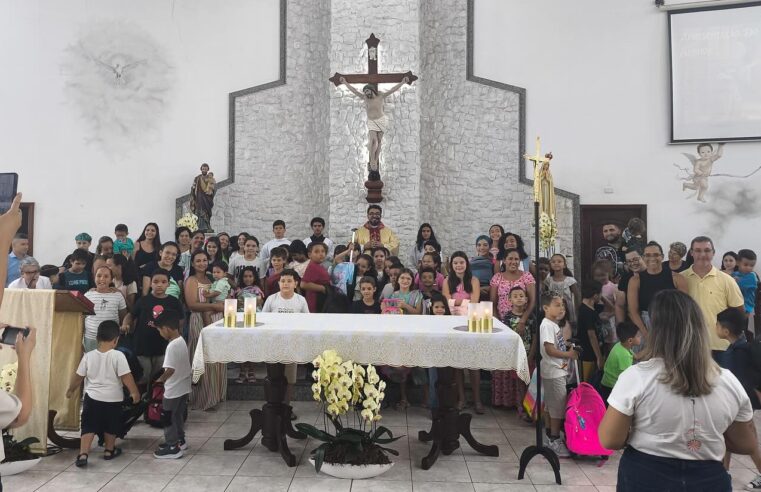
pixel 392 340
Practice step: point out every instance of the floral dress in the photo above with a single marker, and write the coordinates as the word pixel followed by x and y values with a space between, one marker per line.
pixel 504 286
pixel 507 389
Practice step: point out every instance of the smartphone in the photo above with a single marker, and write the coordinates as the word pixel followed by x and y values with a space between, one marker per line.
pixel 11 332
pixel 8 190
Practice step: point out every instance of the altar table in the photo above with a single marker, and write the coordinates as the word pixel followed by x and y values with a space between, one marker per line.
pixel 413 341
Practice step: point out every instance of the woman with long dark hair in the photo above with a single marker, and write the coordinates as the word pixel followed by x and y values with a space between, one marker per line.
pixel 424 233
pixel 214 249
pixel 677 412
pixel 147 245
pixel 510 240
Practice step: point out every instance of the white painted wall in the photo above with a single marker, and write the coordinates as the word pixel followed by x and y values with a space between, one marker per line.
pixel 214 48
pixel 597 81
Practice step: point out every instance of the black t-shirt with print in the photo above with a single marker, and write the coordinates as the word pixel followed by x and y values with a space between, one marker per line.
pixel 359 307
pixel 588 320
pixel 147 339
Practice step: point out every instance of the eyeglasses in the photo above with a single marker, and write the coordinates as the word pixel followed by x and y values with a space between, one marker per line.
pixel 653 255
pixel 33 272
pixel 634 261
pixel 374 214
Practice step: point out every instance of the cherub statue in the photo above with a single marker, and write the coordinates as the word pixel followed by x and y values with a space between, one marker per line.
pixel 702 165
pixel 377 121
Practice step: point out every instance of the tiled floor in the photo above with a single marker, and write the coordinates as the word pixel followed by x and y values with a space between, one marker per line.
pixel 206 467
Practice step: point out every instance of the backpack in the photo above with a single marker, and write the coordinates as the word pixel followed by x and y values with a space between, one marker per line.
pixel 609 253
pixel 155 408
pixel 583 414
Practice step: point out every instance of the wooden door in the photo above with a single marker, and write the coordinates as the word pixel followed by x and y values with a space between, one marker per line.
pixel 593 217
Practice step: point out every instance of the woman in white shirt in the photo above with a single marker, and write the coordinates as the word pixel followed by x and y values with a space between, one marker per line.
pixel 677 412
pixel 30 276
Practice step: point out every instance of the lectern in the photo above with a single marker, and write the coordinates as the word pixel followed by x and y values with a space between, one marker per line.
pixel 58 317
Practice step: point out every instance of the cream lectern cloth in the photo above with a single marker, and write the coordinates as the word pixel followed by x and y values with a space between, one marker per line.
pixel 395 340
pixel 32 308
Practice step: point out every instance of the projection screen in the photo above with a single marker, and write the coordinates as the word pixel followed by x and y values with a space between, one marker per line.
pixel 716 73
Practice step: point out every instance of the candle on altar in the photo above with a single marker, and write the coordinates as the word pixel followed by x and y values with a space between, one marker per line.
pixel 472 317
pixel 487 310
pixel 231 310
pixel 249 312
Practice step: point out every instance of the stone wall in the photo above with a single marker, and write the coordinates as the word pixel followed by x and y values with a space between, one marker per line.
pixel 470 142
pixel 395 23
pixel 281 139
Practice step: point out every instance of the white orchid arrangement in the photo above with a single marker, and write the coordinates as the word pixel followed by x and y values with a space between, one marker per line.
pixel 548 230
pixel 343 387
pixel 189 220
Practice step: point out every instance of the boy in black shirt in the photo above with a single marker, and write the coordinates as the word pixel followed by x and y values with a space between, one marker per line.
pixel 78 277
pixel 368 304
pixel 590 329
pixel 148 343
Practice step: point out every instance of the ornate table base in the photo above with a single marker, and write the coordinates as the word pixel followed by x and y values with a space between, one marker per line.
pixel 273 420
pixel 449 424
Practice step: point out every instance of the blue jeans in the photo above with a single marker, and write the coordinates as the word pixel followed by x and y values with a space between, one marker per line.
pixel 642 472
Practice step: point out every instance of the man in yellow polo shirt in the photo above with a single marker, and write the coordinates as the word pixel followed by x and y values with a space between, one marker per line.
pixel 713 290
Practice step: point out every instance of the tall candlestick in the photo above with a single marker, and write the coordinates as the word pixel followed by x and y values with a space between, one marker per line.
pixel 231 308
pixel 249 312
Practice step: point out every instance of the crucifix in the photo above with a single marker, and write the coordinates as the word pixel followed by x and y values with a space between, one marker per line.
pixel 377 121
pixel 544 193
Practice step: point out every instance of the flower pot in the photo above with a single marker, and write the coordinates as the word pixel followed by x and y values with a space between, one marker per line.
pixel 16 467
pixel 354 472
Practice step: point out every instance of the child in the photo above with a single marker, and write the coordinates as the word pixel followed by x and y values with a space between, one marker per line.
pixel 363 267
pixel 104 371
pixel 287 301
pixel 543 268
pixel 393 276
pixel 507 389
pixel 219 289
pixel 748 281
pixel 554 363
pixel 108 304
pixel 410 300
pixel 427 286
pixel 620 358
pixel 589 330
pixel 730 326
pixel 439 307
pixel 148 344
pixel 729 262
pixel 248 286
pixel 634 234
pixel 433 261
pixel 315 279
pixel 176 381
pixel 562 282
pixel 278 258
pixel 601 272
pixel 51 272
pixel 278 229
pixel 123 244
pixel 368 304
pixel 248 258
pixel 83 242
pixel 78 276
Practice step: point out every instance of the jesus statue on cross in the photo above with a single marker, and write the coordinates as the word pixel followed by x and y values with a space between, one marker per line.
pixel 377 121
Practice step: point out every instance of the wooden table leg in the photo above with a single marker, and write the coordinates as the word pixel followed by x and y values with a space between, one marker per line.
pixel 448 423
pixel 273 420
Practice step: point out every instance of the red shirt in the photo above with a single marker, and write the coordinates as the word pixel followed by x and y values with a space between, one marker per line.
pixel 316 274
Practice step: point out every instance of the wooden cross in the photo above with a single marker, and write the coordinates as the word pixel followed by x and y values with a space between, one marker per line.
pixel 372 76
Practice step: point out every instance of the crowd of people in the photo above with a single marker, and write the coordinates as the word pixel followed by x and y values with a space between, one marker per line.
pixel 606 318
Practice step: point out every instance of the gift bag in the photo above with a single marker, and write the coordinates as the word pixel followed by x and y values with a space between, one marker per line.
pixel 343 276
pixel 529 401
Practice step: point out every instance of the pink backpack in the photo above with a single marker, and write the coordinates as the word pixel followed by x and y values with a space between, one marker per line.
pixel 583 414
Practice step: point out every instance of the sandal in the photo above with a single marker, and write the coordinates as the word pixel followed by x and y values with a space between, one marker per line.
pixel 460 405
pixel 242 376
pixel 402 405
pixel 110 454
pixel 251 379
pixel 81 462
pixel 480 408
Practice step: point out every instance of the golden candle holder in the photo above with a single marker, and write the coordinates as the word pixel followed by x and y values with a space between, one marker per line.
pixel 487 314
pixel 249 312
pixel 230 312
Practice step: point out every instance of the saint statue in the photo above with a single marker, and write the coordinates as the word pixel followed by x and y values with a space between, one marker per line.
pixel 544 195
pixel 377 121
pixel 202 197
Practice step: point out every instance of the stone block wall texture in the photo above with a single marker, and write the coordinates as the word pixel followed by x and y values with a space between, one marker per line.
pixel 281 138
pixel 451 156
pixel 395 23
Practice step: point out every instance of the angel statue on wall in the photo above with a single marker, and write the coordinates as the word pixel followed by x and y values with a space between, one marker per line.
pixel 702 169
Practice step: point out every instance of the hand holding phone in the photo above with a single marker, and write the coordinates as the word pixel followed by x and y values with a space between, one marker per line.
pixel 11 333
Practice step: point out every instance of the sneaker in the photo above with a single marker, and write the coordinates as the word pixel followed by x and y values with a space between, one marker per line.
pixel 558 446
pixel 754 484
pixel 181 443
pixel 168 453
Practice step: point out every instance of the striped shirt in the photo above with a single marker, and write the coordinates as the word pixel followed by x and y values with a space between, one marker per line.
pixel 106 306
